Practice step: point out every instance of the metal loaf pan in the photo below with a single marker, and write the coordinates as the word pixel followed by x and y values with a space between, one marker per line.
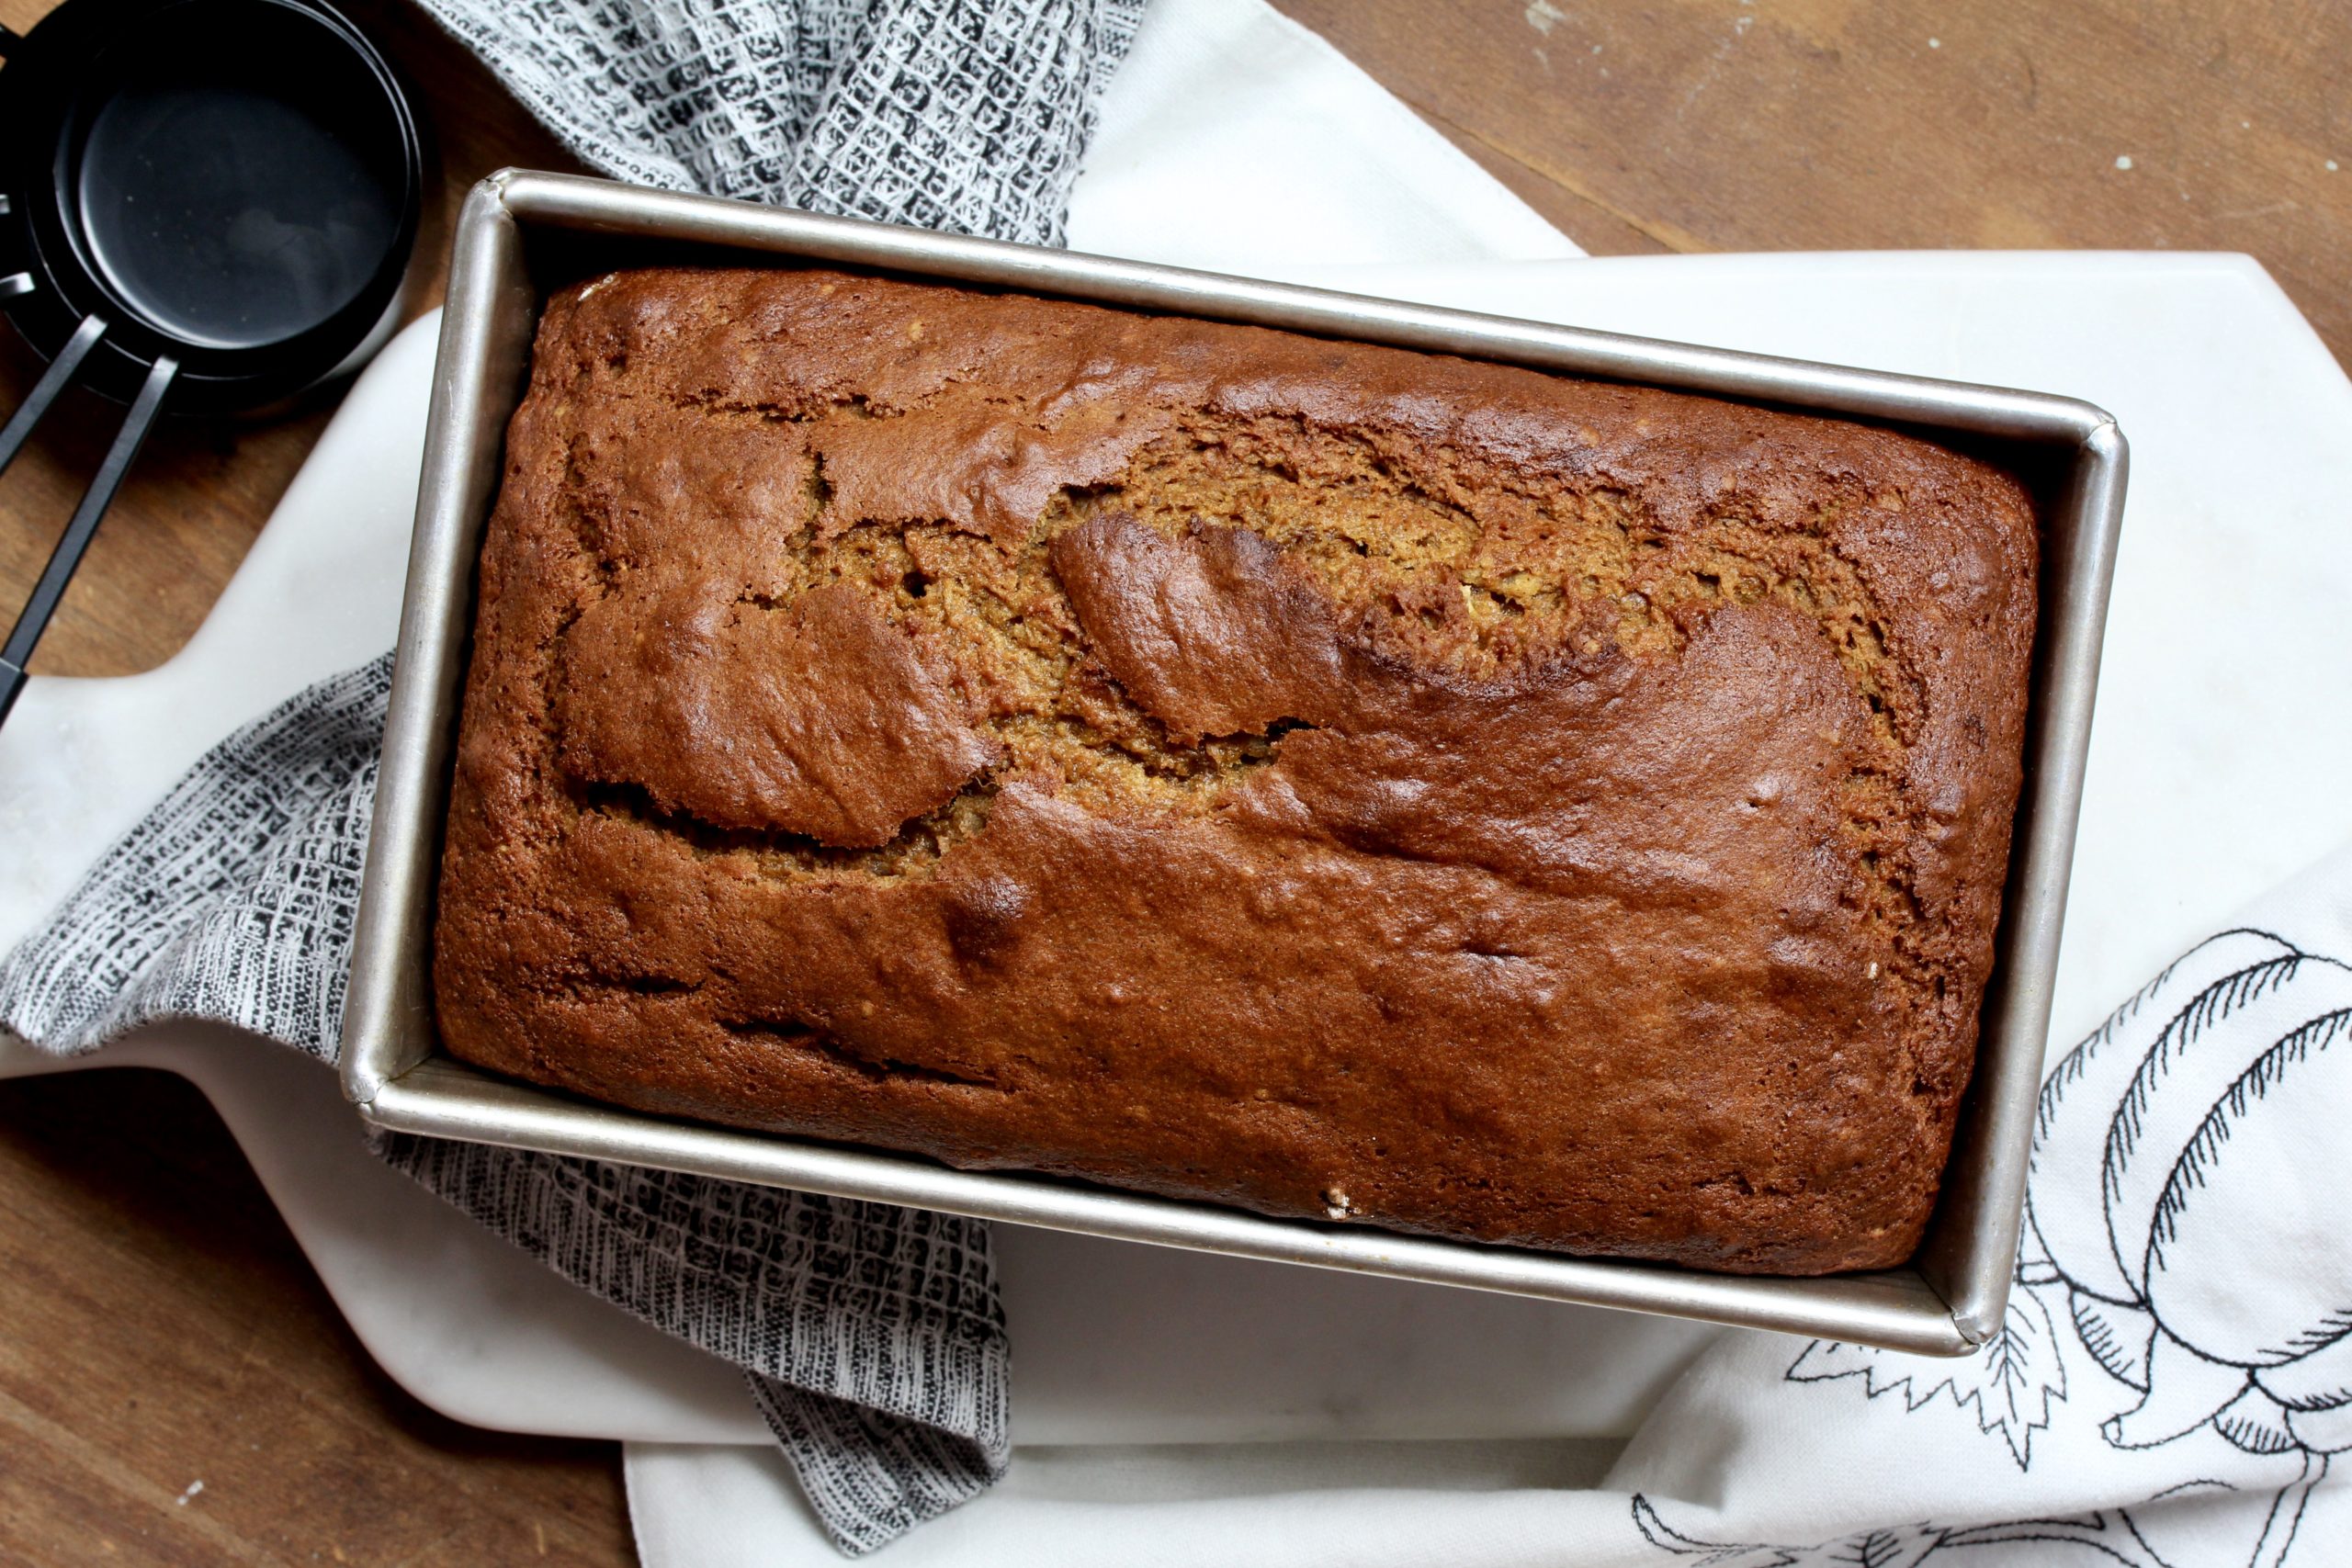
pixel 522 233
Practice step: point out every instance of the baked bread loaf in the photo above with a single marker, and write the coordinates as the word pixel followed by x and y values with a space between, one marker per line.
pixel 1328 779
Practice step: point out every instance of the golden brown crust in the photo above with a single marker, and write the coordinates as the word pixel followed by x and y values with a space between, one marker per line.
pixel 1323 778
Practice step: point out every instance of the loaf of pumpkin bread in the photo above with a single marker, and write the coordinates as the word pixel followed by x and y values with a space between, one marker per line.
pixel 1337 781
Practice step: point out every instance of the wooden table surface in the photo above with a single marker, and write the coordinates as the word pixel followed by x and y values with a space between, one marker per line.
pixel 158 1326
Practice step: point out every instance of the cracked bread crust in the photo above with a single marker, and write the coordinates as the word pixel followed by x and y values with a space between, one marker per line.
pixel 1328 779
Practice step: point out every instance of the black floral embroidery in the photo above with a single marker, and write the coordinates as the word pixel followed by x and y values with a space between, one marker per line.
pixel 2109 1535
pixel 2009 1386
pixel 2181 1151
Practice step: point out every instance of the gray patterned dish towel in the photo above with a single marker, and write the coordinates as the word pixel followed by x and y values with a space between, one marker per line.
pixel 871 1336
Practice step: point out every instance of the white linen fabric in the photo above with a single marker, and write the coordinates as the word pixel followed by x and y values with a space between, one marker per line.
pixel 872 1336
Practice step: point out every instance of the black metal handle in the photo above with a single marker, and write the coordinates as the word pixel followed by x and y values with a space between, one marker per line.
pixel 136 424
pixel 52 381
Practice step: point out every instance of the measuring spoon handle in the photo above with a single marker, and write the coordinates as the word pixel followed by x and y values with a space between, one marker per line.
pixel 18 651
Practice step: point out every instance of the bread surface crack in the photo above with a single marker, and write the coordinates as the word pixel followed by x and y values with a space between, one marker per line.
pixel 797 1035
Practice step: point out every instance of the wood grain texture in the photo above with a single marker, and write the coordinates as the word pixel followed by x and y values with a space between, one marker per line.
pixel 157 1326
pixel 1772 125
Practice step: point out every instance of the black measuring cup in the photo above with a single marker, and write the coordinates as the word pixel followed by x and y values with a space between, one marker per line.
pixel 205 205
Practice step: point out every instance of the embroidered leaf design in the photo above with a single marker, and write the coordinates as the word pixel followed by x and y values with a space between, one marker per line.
pixel 2007 1385
pixel 2023 1374
pixel 2112 1534
pixel 1705 1553
pixel 1902 1546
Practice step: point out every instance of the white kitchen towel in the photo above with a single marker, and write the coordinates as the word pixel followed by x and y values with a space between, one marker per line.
pixel 2172 1387
pixel 871 1337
